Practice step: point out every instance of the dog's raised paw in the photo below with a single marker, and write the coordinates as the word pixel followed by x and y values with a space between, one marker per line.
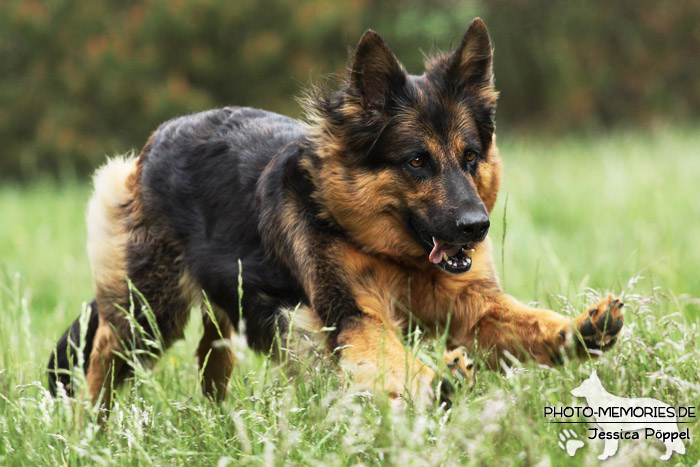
pixel 599 326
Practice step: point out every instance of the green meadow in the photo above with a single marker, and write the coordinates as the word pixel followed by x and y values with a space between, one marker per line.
pixel 577 217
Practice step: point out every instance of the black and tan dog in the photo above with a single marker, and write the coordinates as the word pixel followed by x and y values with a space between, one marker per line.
pixel 375 208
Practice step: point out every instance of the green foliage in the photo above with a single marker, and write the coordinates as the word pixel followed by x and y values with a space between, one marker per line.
pixel 582 214
pixel 566 64
pixel 85 79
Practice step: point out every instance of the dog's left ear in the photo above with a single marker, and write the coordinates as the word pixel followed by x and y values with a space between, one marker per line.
pixel 471 65
pixel 375 72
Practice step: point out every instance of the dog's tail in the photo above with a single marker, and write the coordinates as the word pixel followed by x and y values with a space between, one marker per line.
pixel 65 357
pixel 107 239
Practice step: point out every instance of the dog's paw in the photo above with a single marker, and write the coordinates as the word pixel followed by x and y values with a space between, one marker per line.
pixel 461 373
pixel 460 366
pixel 599 326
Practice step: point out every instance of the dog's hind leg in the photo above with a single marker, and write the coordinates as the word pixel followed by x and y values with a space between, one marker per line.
pixel 127 242
pixel 105 365
pixel 215 355
pixel 137 328
pixel 108 235
pixel 65 356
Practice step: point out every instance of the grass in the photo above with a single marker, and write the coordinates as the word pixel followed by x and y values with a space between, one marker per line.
pixel 585 216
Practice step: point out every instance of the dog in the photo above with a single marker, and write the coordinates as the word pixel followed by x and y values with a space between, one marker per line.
pixel 370 214
pixel 612 428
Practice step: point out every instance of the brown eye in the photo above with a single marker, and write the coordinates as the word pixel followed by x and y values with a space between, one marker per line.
pixel 470 156
pixel 416 162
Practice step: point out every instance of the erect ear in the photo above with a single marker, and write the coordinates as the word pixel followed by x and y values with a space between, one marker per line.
pixel 471 65
pixel 375 72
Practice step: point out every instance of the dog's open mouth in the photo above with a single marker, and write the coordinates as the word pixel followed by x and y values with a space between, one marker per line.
pixel 450 257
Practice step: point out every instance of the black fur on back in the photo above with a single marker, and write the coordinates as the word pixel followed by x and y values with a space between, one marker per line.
pixel 201 176
pixel 200 179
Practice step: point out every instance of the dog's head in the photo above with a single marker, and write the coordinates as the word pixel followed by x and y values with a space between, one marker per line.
pixel 410 166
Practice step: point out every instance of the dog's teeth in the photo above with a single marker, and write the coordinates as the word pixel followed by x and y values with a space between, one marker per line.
pixel 469 252
pixel 445 257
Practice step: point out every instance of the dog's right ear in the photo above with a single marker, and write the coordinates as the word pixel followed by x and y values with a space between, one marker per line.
pixel 375 72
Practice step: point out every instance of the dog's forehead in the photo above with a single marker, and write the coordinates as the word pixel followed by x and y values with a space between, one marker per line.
pixel 439 114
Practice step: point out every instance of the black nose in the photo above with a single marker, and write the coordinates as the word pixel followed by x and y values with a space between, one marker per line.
pixel 474 224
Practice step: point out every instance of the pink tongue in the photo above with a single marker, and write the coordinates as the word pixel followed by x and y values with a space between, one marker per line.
pixel 439 248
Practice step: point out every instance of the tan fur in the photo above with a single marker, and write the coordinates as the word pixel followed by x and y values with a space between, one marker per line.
pixel 104 366
pixel 460 366
pixel 191 290
pixel 480 315
pixel 107 235
pixel 351 198
pixel 374 354
pixel 107 241
pixel 488 178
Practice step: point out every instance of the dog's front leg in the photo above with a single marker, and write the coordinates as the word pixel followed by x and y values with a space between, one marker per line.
pixel 351 293
pixel 373 352
pixel 506 325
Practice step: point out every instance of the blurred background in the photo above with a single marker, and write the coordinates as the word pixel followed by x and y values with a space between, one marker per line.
pixel 81 80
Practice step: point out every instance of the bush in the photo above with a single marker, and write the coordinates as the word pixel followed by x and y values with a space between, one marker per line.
pixel 85 79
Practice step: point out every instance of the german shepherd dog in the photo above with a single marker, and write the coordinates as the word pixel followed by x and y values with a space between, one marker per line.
pixel 371 214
